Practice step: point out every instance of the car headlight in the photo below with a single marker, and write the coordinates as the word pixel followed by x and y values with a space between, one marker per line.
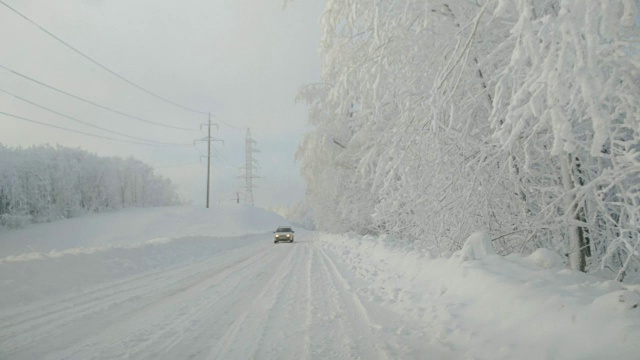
pixel 288 235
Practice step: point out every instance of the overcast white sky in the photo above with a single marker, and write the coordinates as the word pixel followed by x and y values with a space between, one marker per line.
pixel 243 60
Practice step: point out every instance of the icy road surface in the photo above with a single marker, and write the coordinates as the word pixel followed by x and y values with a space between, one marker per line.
pixel 259 300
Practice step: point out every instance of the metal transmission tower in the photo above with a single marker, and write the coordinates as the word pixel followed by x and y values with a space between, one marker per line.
pixel 249 167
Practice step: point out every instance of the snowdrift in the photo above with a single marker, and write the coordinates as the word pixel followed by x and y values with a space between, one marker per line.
pixel 74 254
pixel 498 307
pixel 135 226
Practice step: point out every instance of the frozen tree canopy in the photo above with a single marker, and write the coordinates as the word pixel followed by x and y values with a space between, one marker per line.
pixel 45 183
pixel 436 119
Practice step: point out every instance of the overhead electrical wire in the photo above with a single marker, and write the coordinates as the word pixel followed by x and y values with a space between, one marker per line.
pixel 221 157
pixel 84 122
pixel 226 123
pixel 112 72
pixel 104 107
pixel 200 152
pixel 216 155
pixel 86 133
pixel 178 165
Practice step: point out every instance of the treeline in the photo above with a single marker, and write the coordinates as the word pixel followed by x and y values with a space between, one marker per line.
pixel 437 119
pixel 45 183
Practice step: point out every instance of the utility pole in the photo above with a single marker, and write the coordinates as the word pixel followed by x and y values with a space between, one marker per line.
pixel 209 139
pixel 208 158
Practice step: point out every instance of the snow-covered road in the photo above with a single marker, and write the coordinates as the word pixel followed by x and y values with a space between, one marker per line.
pixel 263 301
pixel 185 283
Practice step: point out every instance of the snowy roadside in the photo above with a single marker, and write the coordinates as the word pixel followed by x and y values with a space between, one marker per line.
pixel 131 227
pixel 487 306
pixel 73 255
pixel 41 276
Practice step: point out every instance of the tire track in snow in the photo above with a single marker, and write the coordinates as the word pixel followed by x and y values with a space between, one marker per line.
pixel 308 315
pixel 142 334
pixel 42 309
pixel 353 332
pixel 69 306
pixel 331 339
pixel 260 301
pixel 404 333
pixel 286 333
pixel 232 345
pixel 352 298
pixel 119 300
pixel 204 323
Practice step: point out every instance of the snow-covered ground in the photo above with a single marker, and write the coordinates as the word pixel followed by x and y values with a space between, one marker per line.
pixel 178 283
pixel 134 225
pixel 478 305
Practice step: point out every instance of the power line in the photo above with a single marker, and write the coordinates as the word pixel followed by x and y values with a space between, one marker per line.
pixel 104 107
pixel 85 133
pixel 216 155
pixel 222 157
pixel 200 152
pixel 100 65
pixel 84 122
pixel 226 123
pixel 178 165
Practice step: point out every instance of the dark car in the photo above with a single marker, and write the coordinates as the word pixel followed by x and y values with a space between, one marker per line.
pixel 283 233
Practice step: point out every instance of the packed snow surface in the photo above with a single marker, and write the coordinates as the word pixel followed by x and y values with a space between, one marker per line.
pixel 186 283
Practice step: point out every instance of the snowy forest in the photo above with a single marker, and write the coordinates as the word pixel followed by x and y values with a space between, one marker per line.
pixel 436 119
pixel 45 183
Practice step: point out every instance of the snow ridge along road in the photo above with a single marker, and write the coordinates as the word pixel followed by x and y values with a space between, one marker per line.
pixel 258 301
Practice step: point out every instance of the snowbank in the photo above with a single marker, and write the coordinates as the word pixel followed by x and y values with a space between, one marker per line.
pixel 37 276
pixel 499 307
pixel 136 226
pixel 71 255
pixel 477 246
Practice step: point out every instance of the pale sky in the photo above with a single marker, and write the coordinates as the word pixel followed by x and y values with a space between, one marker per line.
pixel 242 60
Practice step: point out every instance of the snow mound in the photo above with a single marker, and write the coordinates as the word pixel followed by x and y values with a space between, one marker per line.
pixel 477 246
pixel 620 300
pixel 547 259
pixel 81 252
pixel 55 254
pixel 132 227
pixel 494 307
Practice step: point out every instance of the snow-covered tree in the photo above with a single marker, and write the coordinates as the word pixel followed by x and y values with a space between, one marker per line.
pixel 438 118
pixel 44 183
